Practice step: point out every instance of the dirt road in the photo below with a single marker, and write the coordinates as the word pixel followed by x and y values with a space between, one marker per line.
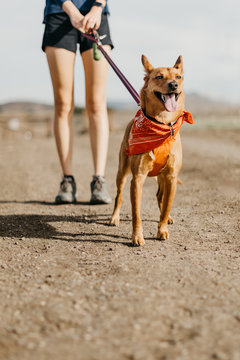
pixel 71 287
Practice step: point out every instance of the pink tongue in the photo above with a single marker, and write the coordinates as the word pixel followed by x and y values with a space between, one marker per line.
pixel 170 102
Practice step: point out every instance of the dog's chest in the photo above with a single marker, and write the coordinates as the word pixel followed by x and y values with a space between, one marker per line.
pixel 161 154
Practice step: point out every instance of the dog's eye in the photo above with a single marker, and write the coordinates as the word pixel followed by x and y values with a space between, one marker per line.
pixel 178 77
pixel 159 77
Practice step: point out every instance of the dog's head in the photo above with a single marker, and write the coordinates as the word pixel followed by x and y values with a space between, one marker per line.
pixel 163 87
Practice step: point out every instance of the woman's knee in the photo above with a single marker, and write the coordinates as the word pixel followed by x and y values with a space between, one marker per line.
pixel 96 106
pixel 63 108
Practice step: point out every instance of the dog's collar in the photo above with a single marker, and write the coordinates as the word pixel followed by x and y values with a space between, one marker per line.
pixel 158 122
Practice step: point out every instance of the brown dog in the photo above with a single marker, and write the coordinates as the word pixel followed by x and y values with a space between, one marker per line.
pixel 152 147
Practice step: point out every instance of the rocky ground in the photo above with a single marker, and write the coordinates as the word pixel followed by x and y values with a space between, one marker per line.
pixel 72 287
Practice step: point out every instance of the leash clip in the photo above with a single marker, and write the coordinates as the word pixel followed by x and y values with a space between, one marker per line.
pixel 96 37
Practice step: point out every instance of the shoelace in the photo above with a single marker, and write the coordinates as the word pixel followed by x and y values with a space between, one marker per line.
pixel 98 182
pixel 64 183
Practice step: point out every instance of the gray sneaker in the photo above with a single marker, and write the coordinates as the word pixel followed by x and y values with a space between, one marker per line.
pixel 68 191
pixel 99 193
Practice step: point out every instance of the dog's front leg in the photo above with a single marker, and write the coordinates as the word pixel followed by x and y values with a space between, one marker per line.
pixel 136 197
pixel 170 185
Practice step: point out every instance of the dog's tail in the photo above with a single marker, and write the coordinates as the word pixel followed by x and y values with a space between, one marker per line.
pixel 179 181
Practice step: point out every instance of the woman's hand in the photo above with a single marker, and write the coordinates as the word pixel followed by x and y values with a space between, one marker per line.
pixel 92 20
pixel 83 23
pixel 74 14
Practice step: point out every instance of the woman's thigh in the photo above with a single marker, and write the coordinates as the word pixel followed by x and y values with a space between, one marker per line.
pixel 95 78
pixel 61 66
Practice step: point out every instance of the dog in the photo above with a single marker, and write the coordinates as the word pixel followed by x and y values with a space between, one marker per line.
pixel 152 146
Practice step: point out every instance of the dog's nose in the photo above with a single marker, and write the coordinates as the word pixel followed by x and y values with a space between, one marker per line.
pixel 173 85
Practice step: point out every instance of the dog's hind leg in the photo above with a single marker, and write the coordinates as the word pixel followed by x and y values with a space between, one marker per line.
pixel 121 179
pixel 159 195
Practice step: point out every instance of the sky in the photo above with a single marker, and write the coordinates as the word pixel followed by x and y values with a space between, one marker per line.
pixel 206 33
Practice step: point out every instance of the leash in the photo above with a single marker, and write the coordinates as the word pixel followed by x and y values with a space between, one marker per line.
pixel 95 38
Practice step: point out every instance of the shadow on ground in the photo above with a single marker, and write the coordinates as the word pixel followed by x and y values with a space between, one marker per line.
pixel 35 226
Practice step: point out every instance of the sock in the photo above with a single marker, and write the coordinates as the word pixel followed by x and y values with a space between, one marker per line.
pixel 69 177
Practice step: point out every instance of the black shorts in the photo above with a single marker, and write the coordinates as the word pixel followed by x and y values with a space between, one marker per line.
pixel 60 33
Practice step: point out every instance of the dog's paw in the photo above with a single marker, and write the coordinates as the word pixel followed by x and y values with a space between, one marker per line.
pixel 114 221
pixel 163 233
pixel 138 240
pixel 170 220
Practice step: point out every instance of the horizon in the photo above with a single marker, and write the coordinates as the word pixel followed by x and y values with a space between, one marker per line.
pixel 125 102
pixel 207 39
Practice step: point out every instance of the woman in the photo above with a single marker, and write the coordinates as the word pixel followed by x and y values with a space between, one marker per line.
pixel 64 21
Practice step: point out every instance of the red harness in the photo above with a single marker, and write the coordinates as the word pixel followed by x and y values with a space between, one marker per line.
pixel 147 135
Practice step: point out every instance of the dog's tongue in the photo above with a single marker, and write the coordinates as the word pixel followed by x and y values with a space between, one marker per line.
pixel 170 102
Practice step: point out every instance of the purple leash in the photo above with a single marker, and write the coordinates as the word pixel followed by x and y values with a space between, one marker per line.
pixel 95 38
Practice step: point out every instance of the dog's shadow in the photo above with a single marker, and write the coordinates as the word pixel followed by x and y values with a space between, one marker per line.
pixel 37 226
pixel 42 227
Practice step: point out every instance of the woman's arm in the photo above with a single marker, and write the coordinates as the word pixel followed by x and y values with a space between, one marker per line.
pixel 74 14
pixel 84 23
pixel 93 19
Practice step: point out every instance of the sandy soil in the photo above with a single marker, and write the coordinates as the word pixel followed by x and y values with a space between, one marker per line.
pixel 71 287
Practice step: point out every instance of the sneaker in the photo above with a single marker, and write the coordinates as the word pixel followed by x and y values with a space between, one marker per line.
pixel 99 193
pixel 68 191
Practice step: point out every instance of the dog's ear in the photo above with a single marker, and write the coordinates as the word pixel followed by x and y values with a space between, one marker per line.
pixel 179 63
pixel 147 66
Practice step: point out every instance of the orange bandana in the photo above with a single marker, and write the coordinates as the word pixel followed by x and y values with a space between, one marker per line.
pixel 147 135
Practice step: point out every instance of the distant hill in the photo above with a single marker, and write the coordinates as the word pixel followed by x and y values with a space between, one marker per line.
pixel 195 103
pixel 203 105
pixel 25 107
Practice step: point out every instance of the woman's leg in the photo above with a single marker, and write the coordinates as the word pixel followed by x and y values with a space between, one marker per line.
pixel 61 66
pixel 95 79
